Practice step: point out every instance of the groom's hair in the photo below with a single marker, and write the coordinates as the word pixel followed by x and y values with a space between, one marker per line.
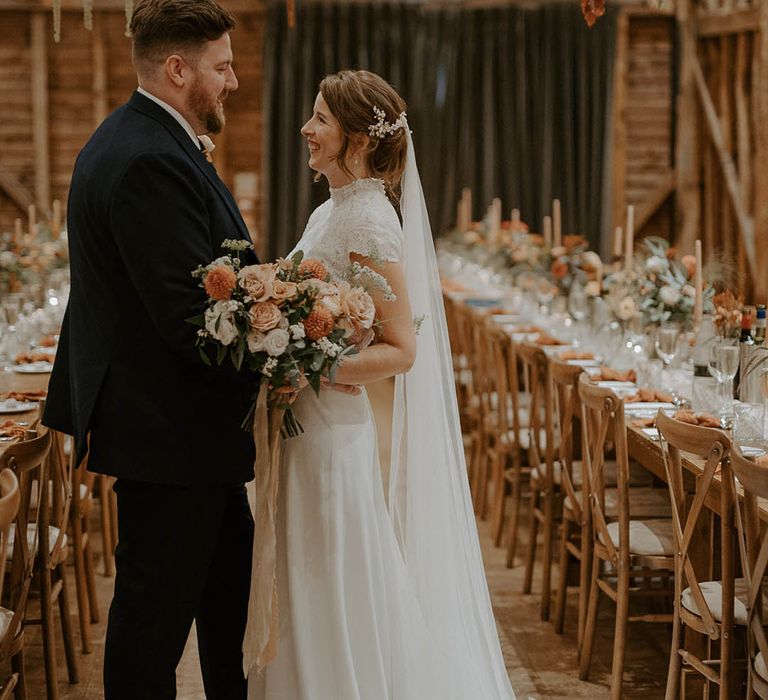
pixel 161 28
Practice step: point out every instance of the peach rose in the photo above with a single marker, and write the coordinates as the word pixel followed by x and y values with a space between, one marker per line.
pixel 355 334
pixel 257 281
pixel 220 282
pixel 264 316
pixel 559 269
pixel 283 291
pixel 358 305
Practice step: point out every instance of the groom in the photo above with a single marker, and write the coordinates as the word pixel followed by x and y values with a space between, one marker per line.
pixel 145 209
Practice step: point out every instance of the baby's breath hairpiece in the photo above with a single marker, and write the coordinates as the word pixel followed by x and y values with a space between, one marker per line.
pixel 382 128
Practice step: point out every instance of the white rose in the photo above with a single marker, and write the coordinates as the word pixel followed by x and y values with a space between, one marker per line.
pixel 220 321
pixel 333 304
pixel 591 260
pixel 297 331
pixel 655 264
pixel 276 342
pixel 627 309
pixel 669 295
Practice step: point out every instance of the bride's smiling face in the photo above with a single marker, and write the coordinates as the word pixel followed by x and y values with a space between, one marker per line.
pixel 325 139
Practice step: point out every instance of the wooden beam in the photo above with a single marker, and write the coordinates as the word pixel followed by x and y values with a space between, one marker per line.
pixel 687 155
pixel 711 23
pixel 759 121
pixel 99 58
pixel 619 121
pixel 654 201
pixel 11 185
pixel 727 168
pixel 40 131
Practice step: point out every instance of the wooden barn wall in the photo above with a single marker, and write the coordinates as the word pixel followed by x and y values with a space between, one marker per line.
pixel 75 101
pixel 644 120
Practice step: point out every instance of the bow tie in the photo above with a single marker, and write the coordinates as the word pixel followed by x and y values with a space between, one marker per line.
pixel 206 147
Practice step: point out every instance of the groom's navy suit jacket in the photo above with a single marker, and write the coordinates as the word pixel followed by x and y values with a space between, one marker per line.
pixel 145 209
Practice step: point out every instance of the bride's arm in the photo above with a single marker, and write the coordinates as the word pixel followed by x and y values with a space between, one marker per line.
pixel 395 350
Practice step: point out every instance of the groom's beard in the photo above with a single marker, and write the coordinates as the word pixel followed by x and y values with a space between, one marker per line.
pixel 207 109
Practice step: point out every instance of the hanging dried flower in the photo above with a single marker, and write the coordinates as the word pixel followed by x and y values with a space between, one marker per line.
pixel 128 15
pixel 57 21
pixel 88 14
pixel 592 9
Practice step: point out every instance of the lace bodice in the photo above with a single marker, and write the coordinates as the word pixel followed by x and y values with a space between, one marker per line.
pixel 358 218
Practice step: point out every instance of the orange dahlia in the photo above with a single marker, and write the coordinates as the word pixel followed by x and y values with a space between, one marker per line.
pixel 312 268
pixel 319 323
pixel 219 282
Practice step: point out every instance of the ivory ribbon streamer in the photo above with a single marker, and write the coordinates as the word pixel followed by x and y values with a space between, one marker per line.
pixel 260 641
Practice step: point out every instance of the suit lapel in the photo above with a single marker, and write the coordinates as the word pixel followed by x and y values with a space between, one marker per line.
pixel 151 109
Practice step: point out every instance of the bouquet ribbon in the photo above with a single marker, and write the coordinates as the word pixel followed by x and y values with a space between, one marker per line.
pixel 260 641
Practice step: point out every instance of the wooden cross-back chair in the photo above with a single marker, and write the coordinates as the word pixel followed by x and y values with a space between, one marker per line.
pixel 565 380
pixel 753 549
pixel 509 463
pixel 705 606
pixel 10 498
pixel 623 549
pixel 27 461
pixel 544 492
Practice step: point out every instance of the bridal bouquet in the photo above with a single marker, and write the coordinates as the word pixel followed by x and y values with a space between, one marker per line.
pixel 284 320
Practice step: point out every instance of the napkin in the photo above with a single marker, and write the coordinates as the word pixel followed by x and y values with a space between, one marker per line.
pixel 24 358
pixel 546 339
pixel 705 419
pixel 47 342
pixel 608 374
pixel 10 428
pixel 25 395
pixel 649 395
pixel 576 355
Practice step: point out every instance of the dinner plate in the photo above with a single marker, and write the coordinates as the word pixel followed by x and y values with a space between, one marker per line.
pixel 34 368
pixel 651 433
pixel 584 363
pixel 554 349
pixel 505 319
pixel 636 406
pixel 751 451
pixel 613 384
pixel 12 406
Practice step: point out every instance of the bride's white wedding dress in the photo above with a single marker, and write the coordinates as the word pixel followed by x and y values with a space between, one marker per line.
pixel 351 624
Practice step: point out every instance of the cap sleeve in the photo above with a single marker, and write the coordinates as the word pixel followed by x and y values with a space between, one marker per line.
pixel 376 241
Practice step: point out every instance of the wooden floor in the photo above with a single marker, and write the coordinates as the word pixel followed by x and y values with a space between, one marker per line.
pixel 540 663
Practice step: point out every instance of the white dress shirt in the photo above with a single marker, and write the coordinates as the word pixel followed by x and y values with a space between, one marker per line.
pixel 183 122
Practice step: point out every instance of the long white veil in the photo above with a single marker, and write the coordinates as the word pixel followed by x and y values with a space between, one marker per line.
pixel 429 498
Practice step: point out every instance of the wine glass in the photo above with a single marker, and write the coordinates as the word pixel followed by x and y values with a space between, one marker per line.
pixel 763 378
pixel 728 356
pixel 666 348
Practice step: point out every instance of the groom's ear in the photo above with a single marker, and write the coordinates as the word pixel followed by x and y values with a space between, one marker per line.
pixel 177 70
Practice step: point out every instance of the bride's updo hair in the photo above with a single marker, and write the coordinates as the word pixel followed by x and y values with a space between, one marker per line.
pixel 352 95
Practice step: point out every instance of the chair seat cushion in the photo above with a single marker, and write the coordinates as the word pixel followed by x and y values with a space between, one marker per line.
pixel 760 667
pixel 713 594
pixel 651 538
pixel 53 535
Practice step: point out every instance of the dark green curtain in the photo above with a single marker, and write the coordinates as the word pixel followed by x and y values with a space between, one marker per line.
pixel 508 101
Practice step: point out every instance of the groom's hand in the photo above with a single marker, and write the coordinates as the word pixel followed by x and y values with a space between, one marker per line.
pixel 351 389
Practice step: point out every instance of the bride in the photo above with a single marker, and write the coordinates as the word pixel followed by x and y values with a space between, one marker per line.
pixel 382 594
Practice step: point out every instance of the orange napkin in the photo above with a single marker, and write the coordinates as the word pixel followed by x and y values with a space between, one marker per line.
pixel 644 422
pixel 705 419
pixel 25 395
pixel 47 342
pixel 452 286
pixel 646 395
pixel 527 329
pixel 615 375
pixel 576 355
pixel 10 428
pixel 546 339
pixel 24 358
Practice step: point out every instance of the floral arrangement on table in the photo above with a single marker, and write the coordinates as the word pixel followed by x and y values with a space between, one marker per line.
pixel 727 314
pixel 657 286
pixel 24 258
pixel 285 320
pixel 571 263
